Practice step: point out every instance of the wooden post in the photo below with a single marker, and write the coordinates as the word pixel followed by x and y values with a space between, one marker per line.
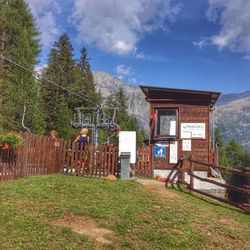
pixel 113 161
pixel 26 154
pixel 247 176
pixel 191 176
pixel 179 170
pixel 63 154
pixel 105 161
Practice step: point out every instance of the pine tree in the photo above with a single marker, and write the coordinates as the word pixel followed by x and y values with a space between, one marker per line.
pixel 234 154
pixel 127 122
pixel 219 141
pixel 87 86
pixel 62 125
pixel 59 105
pixel 19 42
pixel 133 125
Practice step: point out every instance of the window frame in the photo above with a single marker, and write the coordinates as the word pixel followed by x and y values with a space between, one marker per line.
pixel 156 131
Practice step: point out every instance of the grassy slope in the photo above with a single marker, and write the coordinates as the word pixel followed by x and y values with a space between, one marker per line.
pixel 139 218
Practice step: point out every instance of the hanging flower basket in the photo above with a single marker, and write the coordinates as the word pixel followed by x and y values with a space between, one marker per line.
pixel 10 140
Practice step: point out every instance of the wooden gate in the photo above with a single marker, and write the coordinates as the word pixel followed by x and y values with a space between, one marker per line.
pixel 90 162
pixel 142 166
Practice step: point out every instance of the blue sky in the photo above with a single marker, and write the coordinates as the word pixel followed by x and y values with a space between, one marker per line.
pixel 195 44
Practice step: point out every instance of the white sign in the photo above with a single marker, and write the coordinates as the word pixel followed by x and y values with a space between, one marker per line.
pixel 172 128
pixel 186 134
pixel 173 152
pixel 163 144
pixel 127 143
pixel 186 145
pixel 193 130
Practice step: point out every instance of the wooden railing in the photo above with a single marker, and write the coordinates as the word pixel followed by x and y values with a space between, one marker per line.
pixel 142 166
pixel 243 190
pixel 42 155
pixel 36 155
pixel 89 161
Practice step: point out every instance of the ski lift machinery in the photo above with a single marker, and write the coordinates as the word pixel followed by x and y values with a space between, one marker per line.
pixel 94 119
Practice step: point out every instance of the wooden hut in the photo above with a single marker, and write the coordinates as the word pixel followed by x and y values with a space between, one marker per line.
pixel 179 126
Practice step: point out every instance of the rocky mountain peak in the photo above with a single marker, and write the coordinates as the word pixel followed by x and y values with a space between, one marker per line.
pixel 232 110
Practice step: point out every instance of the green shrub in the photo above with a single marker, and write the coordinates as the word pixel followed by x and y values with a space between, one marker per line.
pixel 14 140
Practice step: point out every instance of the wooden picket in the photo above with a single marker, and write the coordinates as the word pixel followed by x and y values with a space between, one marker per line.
pixel 42 155
pixel 142 166
pixel 37 155
pixel 102 161
pixel 89 161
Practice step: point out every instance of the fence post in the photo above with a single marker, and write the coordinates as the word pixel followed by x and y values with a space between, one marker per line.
pixel 183 169
pixel 26 154
pixel 191 176
pixel 247 185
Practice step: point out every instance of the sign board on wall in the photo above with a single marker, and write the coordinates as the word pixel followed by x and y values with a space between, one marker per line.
pixel 127 143
pixel 173 152
pixel 159 152
pixel 163 144
pixel 186 145
pixel 193 130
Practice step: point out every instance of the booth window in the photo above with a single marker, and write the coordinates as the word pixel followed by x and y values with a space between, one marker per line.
pixel 166 123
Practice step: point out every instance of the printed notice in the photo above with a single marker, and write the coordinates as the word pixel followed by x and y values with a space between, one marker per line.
pixel 196 130
pixel 172 128
pixel 173 152
pixel 163 144
pixel 186 145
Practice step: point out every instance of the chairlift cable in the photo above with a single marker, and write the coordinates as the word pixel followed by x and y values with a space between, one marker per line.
pixel 5 59
pixel 23 117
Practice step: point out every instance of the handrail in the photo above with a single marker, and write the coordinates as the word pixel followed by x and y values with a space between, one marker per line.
pixel 235 188
pixel 236 171
pixel 244 190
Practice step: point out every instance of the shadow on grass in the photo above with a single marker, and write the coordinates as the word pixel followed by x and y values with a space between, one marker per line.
pixel 207 200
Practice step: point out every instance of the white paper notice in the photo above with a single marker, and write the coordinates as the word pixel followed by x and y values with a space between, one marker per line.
pixel 186 134
pixel 172 128
pixel 173 154
pixel 197 130
pixel 186 145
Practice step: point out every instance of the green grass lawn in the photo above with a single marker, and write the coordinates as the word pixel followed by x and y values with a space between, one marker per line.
pixel 136 216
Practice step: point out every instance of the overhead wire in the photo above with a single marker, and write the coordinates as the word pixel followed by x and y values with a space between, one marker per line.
pixel 35 76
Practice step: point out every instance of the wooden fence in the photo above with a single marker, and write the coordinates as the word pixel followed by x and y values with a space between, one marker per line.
pixel 42 155
pixel 37 155
pixel 237 194
pixel 102 162
pixel 142 166
pixel 90 162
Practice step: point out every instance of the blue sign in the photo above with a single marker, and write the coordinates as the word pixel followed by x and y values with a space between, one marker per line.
pixel 159 152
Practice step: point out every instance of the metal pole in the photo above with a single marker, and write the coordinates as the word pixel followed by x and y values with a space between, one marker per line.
pixel 213 130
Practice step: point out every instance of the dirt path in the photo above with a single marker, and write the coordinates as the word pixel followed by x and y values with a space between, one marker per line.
pixel 86 226
pixel 159 189
pixel 203 222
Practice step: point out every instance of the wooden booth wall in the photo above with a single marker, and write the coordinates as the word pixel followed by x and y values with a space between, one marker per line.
pixel 200 148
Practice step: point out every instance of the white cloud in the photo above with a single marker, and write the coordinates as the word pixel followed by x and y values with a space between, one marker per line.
pixel 140 55
pixel 133 81
pixel 204 42
pixel 45 12
pixel 234 20
pixel 39 69
pixel 117 25
pixel 247 56
pixel 122 71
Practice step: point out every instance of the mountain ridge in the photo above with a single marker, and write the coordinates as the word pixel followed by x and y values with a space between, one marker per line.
pixel 232 111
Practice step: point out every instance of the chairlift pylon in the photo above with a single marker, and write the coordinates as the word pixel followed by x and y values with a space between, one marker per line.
pixel 95 119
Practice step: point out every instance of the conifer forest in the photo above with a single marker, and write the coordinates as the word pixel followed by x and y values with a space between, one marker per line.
pixel 40 106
